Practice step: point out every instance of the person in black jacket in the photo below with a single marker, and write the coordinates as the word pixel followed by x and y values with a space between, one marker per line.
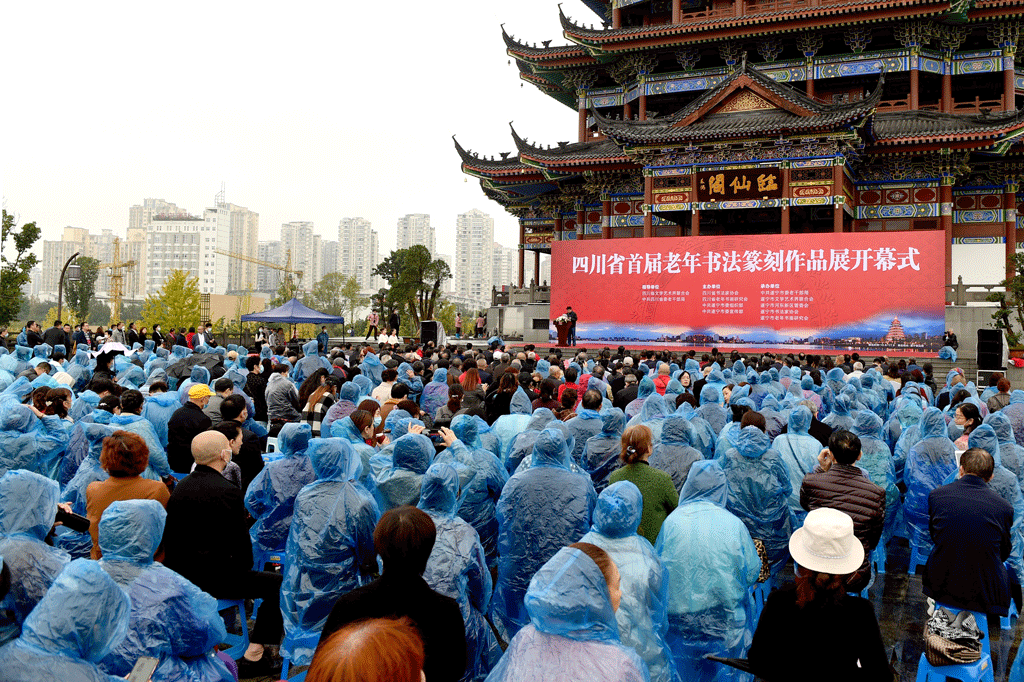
pixel 187 422
pixel 404 538
pixel 249 459
pixel 970 526
pixel 206 540
pixel 55 336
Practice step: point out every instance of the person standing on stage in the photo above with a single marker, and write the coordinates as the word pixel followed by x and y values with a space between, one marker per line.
pixel 571 314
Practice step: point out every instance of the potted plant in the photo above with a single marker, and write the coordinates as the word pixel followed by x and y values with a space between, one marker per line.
pixel 1010 315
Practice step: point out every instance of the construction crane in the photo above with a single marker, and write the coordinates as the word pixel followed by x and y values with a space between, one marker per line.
pixel 286 268
pixel 117 269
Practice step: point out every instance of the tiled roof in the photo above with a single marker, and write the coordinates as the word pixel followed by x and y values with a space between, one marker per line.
pixel 508 162
pixel 543 52
pixel 894 127
pixel 569 153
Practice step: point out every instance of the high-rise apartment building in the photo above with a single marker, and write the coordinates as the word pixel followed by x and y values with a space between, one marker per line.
pixel 140 217
pixel 187 243
pixel 506 265
pixel 358 252
pixel 242 228
pixel 93 245
pixel 415 229
pixel 472 271
pixel 297 241
pixel 329 254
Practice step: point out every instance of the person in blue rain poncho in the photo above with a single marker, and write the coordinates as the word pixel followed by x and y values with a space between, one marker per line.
pixel 309 363
pixel 759 489
pixel 80 620
pixel 524 442
pixel 79 370
pixel 480 498
pixel 171 619
pixel 435 393
pixel 1015 413
pixel 347 430
pixel 572 633
pixel 835 379
pixel 414 382
pixel 540 510
pixel 799 451
pixel 457 567
pixel 644 391
pixel 398 482
pixel 158 468
pixel 585 424
pixel 642 615
pixel 774 416
pixel 929 462
pixel 601 452
pixel 675 453
pixel 759 390
pixel 705 436
pixel 365 386
pixel 330 545
pixel 348 402
pixel 372 368
pixel 1011 454
pixel 1006 485
pixel 488 438
pixel 903 430
pixel 712 564
pixel 28 505
pixel 877 461
pixel 840 417
pixel 199 375
pixel 158 410
pixel 89 471
pixel 32 441
pixel 510 425
pixel 652 415
pixel 727 436
pixel 271 495
pixel 22 354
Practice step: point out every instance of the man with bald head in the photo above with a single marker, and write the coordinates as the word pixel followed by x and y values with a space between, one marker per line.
pixel 206 539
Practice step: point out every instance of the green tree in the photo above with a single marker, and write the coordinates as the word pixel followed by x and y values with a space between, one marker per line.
pixel 177 304
pixel 78 294
pixel 353 300
pixel 16 263
pixel 414 281
pixel 445 314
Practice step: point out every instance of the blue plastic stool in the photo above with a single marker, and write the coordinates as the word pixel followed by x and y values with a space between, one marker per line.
pixel 982 620
pixel 979 671
pixel 1004 621
pixel 284 673
pixel 759 593
pixel 916 559
pixel 237 644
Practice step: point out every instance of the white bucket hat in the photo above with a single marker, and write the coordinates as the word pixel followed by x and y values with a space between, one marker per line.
pixel 826 543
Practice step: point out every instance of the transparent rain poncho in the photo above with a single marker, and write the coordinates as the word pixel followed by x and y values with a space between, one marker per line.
pixel 675 453
pixel 79 370
pixel 89 471
pixel 774 416
pixel 1008 487
pixel 30 442
pixel 271 495
pixel 28 505
pixel 347 431
pixel 457 567
pixel 759 488
pixel 705 434
pixel 877 461
pixel 652 415
pixel 508 426
pixel 1015 413
pixel 140 426
pixel 330 548
pixel 642 615
pixel 480 498
pixel 158 410
pixel 712 564
pixel 523 443
pixel 799 451
pixel 903 431
pixel 644 391
pixel 540 510
pixel 171 619
pixel 198 375
pixel 929 462
pixel 1011 454
pixel 711 409
pixel 398 481
pixel 310 362
pixel 415 384
pixel 572 632
pixel 601 451
pixel 80 620
pixel 584 425
pixel 372 368
pixel 435 393
pixel 840 418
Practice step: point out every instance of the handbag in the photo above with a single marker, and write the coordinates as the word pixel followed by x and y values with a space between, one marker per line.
pixel 952 639
pixel 766 566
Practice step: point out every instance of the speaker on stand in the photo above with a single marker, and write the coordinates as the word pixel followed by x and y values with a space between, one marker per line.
pixel 990 349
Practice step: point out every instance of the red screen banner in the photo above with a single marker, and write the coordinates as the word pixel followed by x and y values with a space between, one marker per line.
pixel 882 290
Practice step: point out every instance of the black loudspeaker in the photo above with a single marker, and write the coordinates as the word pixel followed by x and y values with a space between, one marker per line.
pixel 990 349
pixel 428 332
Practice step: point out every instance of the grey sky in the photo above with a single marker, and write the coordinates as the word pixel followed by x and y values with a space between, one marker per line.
pixel 307 112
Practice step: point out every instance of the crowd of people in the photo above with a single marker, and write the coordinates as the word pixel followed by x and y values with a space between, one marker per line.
pixel 407 512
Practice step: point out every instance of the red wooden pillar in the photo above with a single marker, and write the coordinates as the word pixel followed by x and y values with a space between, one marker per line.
pixel 786 210
pixel 677 11
pixel 627 107
pixel 583 133
pixel 837 191
pixel 616 17
pixel 1009 87
pixel 809 65
pixel 648 200
pixel 558 226
pixel 947 84
pixel 738 8
pixel 606 217
pixel 946 220
pixel 643 102
pixel 522 254
pixel 1010 218
pixel 915 78
pixel 581 221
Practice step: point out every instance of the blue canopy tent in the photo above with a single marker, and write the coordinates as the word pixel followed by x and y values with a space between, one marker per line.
pixel 294 312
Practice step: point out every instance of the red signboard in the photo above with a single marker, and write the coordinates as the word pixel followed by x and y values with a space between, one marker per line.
pixel 873 288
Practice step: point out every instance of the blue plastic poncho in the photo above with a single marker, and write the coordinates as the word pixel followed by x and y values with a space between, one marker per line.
pixel 540 510
pixel 712 564
pixel 347 431
pixel 1011 454
pixel 584 425
pixel 510 425
pixel 759 489
pixel 199 375
pixel 133 423
pixel 171 618
pixel 1006 485
pixel 330 545
pixel 415 384
pixel 929 462
pixel 572 632
pixel 480 498
pixel 524 442
pixel 876 460
pixel 348 402
pixel 907 418
pixel 30 442
pixel 840 417
pixel 652 415
pixel 399 481
pixel 799 451
pixel 89 471
pixel 642 614
pixel 435 393
pixel 271 495
pixel 79 370
pixel 79 621
pixel 28 505
pixel 457 567
pixel 372 368
pixel 309 363
pixel 675 453
pixel 1015 413
pixel 158 410
pixel 644 391
pixel 601 452
pixel 706 436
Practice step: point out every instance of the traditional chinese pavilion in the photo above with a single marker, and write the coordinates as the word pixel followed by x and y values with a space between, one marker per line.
pixel 711 117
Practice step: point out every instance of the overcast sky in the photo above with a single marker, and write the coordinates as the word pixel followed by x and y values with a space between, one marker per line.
pixel 311 111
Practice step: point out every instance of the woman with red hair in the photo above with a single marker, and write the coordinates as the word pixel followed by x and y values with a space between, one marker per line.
pixel 374 650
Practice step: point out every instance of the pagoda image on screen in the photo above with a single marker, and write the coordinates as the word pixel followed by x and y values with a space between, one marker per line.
pixel 751 117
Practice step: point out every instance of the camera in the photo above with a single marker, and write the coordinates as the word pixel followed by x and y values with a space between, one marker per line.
pixel 75 522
